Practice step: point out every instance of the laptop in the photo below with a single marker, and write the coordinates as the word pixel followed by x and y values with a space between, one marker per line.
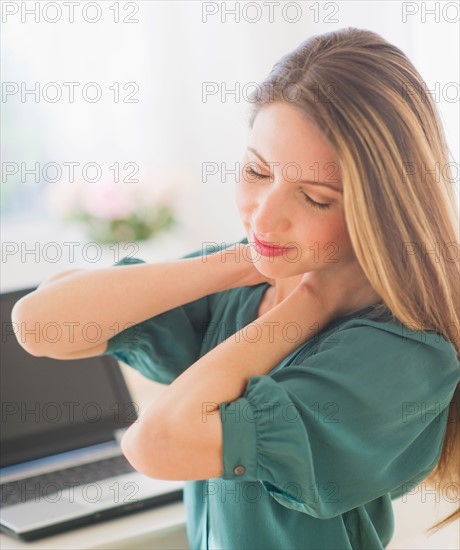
pixel 61 465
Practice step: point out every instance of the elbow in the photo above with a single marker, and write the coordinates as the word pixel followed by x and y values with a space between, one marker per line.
pixel 20 319
pixel 144 448
pixel 31 329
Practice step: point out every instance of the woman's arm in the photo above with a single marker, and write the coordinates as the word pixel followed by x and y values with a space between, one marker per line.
pixel 179 436
pixel 54 277
pixel 90 306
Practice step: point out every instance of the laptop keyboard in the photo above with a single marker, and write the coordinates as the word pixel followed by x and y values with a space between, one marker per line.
pixel 43 485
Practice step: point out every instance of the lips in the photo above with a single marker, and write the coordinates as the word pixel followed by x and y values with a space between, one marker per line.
pixel 269 245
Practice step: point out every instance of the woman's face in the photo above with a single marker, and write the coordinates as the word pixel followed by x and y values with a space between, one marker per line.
pixel 286 149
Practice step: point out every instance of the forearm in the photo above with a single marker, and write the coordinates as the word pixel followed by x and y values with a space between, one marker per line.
pixel 53 278
pixel 223 373
pixel 91 306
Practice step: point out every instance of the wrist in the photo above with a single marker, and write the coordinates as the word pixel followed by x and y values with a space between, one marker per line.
pixel 228 267
pixel 306 294
pixel 235 267
pixel 308 310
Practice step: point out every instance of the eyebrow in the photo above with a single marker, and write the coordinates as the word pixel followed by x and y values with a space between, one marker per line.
pixel 298 181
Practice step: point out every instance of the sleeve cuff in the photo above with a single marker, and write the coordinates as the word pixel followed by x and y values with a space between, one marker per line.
pixel 239 440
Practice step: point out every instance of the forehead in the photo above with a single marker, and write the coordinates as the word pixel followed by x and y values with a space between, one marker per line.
pixel 281 133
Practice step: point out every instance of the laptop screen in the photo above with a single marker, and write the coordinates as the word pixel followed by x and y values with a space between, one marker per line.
pixel 50 406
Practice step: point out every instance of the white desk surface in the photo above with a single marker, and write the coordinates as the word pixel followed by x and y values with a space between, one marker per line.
pixel 137 530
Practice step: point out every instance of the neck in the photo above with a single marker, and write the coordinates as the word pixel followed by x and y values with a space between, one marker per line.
pixel 282 288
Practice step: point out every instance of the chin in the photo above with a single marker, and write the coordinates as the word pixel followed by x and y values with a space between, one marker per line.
pixel 279 274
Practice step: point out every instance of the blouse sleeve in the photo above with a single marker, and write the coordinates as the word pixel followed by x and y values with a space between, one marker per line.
pixel 364 416
pixel 162 347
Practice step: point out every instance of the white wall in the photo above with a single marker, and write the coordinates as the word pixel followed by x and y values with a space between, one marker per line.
pixel 169 54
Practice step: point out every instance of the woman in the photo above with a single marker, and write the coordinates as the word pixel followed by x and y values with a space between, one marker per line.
pixel 312 382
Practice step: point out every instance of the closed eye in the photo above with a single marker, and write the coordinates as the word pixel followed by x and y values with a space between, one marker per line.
pixel 309 200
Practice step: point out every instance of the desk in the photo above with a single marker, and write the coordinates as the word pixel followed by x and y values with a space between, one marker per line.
pixel 157 528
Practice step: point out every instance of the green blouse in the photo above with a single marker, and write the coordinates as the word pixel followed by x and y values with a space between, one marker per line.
pixel 315 451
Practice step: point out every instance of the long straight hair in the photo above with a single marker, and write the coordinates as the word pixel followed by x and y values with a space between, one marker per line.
pixel 370 103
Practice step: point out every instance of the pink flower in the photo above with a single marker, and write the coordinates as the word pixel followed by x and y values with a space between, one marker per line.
pixel 108 200
pixel 159 188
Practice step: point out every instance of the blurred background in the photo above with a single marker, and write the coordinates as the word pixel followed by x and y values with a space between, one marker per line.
pixel 122 123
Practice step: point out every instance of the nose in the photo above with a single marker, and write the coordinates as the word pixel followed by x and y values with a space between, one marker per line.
pixel 270 214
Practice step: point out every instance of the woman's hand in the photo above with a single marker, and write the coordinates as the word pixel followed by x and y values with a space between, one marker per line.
pixel 342 288
pixel 242 271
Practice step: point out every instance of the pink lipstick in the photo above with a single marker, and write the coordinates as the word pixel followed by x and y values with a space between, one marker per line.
pixel 267 249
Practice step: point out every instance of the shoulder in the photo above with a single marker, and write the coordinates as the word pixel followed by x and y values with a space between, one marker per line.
pixel 389 347
pixel 364 332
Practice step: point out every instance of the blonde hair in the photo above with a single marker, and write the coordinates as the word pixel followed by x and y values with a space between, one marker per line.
pixel 368 100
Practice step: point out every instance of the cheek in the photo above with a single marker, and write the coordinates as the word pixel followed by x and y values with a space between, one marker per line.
pixel 242 196
pixel 326 235
pixel 333 229
pixel 338 235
